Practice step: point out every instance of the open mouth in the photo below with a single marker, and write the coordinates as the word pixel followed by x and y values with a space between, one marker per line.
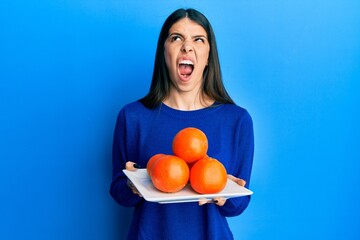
pixel 186 67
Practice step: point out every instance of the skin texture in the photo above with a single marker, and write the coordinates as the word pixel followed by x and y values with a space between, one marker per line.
pixel 187 41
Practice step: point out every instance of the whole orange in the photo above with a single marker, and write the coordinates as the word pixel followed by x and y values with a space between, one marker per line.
pixel 190 144
pixel 152 160
pixel 169 173
pixel 208 176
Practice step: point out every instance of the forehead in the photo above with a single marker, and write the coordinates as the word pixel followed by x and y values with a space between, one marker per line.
pixel 186 25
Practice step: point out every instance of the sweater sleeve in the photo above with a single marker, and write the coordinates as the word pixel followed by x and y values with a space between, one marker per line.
pixel 243 166
pixel 119 189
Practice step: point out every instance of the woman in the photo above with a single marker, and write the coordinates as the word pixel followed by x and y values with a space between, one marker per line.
pixel 186 91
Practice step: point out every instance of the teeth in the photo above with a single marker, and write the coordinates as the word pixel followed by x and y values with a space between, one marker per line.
pixel 188 62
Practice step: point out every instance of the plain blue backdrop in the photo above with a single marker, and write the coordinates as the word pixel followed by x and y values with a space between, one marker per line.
pixel 67 67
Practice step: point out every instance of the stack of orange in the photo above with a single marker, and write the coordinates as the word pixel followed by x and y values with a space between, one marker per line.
pixel 170 173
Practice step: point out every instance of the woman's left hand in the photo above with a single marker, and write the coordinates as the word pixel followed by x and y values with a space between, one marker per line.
pixel 239 181
pixel 221 201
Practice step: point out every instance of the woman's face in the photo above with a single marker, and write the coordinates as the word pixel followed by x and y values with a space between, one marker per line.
pixel 186 54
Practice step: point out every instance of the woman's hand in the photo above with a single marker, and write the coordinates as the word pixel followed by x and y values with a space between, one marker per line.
pixel 239 181
pixel 221 201
pixel 218 201
pixel 131 166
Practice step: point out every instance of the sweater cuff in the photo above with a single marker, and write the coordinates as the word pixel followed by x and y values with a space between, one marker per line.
pixel 124 195
pixel 234 206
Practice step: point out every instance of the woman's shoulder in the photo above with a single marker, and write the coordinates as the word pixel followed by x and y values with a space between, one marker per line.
pixel 130 112
pixel 133 106
pixel 235 114
pixel 234 109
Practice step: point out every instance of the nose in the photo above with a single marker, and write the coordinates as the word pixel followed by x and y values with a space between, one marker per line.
pixel 187 47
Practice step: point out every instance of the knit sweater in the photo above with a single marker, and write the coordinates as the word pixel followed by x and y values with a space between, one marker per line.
pixel 141 132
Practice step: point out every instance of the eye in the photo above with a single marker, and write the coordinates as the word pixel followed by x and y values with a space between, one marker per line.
pixel 174 38
pixel 199 39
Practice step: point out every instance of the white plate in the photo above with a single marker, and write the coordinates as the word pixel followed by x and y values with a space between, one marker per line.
pixel 143 183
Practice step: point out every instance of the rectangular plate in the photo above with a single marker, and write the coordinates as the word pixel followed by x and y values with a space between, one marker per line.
pixel 143 183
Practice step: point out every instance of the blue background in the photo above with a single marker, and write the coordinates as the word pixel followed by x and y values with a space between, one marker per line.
pixel 67 67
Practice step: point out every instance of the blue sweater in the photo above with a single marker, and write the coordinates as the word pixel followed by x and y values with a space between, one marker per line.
pixel 141 132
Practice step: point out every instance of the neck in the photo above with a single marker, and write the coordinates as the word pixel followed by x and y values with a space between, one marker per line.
pixel 186 102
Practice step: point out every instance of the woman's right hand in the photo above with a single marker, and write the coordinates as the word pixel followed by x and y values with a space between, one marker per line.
pixel 133 188
pixel 131 166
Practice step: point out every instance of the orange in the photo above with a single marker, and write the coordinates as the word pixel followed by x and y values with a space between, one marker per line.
pixel 152 160
pixel 190 144
pixel 208 176
pixel 169 174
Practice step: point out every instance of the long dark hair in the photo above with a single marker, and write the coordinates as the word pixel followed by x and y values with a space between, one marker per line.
pixel 212 80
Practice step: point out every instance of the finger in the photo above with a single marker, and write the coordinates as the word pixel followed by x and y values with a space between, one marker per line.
pixel 203 201
pixel 133 188
pixel 239 181
pixel 131 166
pixel 137 192
pixel 219 201
pixel 130 184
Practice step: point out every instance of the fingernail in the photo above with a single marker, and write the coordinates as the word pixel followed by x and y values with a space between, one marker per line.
pixel 136 165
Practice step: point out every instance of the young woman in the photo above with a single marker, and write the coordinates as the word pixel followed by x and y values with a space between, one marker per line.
pixel 186 91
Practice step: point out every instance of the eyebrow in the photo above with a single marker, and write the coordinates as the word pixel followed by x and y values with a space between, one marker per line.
pixel 196 36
